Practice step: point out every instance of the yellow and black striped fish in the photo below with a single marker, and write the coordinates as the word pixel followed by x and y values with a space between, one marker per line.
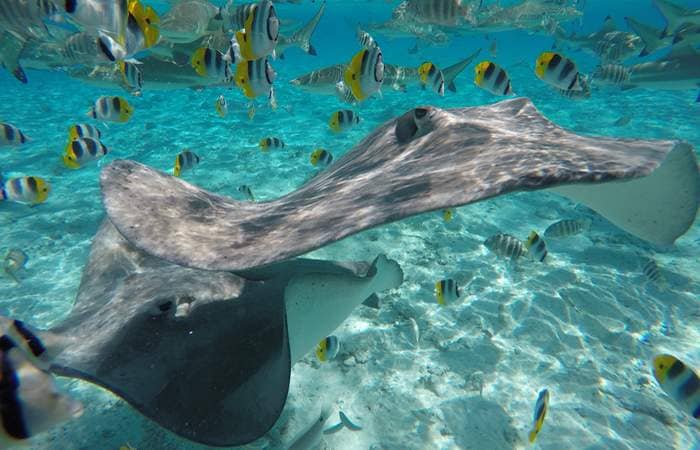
pixel 185 160
pixel 328 348
pixel 446 291
pixel 247 192
pixel 28 190
pixel 11 135
pixel 255 78
pixel 492 78
pixel 82 151
pixel 680 382
pixel 111 109
pixel 27 340
pixel 31 403
pixel 261 32
pixel 541 406
pixel 536 247
pixel 132 75
pixel 211 63
pixel 83 130
pixel 365 73
pixel 431 75
pixel 270 143
pixel 343 120
pixel 558 71
pixel 321 157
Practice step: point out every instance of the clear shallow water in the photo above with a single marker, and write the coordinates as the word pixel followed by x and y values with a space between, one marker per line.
pixel 585 325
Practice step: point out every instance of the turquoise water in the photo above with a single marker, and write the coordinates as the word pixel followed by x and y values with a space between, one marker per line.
pixel 585 325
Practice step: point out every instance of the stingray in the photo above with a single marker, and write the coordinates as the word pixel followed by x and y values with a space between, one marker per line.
pixel 205 354
pixel 426 159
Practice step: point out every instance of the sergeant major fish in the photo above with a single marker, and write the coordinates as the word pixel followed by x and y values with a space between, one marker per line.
pixel 506 246
pixel 567 227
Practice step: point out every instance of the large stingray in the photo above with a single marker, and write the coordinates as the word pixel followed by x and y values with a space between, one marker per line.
pixel 205 354
pixel 426 159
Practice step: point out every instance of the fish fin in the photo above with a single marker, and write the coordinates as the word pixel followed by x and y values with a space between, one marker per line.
pixel 334 428
pixel 673 14
pixel 451 87
pixel 348 423
pixel 312 50
pixel 372 301
pixel 281 55
pixel 608 25
pixel 302 37
pixel 648 34
pixel 11 47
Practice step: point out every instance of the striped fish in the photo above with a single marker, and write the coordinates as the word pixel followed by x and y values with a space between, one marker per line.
pixel 261 32
pixel 328 348
pixel 506 246
pixel 652 272
pixel 365 39
pixel 436 12
pixel 211 63
pixel 235 16
pixel 344 93
pixel 31 403
pixel 10 135
pixel 247 192
pixel 567 227
pixel 612 74
pixel 558 71
pixel 431 75
pixel 255 78
pixel 583 94
pixel 111 109
pixel 270 142
pixel 82 151
pixel 132 75
pixel 679 382
pixel 26 340
pixel 446 291
pixel 86 48
pixel 343 120
pixel 536 247
pixel 365 73
pixel 492 78
pixel 321 157
pixel 186 160
pixel 21 15
pixel 28 190
pixel 541 406
pixel 83 130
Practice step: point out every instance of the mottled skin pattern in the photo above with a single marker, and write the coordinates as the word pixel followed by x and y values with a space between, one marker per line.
pixel 428 159
pixel 219 374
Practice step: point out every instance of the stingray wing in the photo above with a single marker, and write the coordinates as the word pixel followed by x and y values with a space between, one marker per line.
pixel 217 375
pixel 425 160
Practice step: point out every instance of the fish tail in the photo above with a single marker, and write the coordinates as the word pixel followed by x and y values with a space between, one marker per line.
pixel 532 436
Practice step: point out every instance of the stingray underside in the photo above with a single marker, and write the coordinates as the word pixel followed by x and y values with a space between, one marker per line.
pixel 425 160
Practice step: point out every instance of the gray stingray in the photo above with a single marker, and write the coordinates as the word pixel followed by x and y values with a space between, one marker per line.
pixel 204 354
pixel 426 159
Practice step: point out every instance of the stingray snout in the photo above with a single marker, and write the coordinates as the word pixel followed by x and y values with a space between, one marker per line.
pixel 415 123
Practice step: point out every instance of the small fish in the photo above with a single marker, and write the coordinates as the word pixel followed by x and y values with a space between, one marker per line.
pixel 582 94
pixel 506 246
pixel 492 78
pixel 255 78
pixel 31 403
pixel 343 120
pixel 431 75
pixel 211 63
pixel 15 260
pixel 270 143
pixel 83 130
pixel 567 227
pixel 328 348
pixel 536 247
pixel 365 39
pixel 447 214
pixel 345 422
pixel 260 32
pixel 132 75
pixel 321 157
pixel 679 382
pixel 82 151
pixel 446 292
pixel 27 341
pixel 221 106
pixel 653 273
pixel 246 191
pixel 28 190
pixel 541 406
pixel 493 48
pixel 10 135
pixel 185 160
pixel 111 109
pixel 558 71
pixel 622 121
pixel 365 73
pixel 344 93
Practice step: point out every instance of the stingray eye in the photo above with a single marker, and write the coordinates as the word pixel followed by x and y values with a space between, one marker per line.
pixel 415 123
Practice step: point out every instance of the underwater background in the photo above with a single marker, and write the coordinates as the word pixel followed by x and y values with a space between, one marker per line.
pixel 585 325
